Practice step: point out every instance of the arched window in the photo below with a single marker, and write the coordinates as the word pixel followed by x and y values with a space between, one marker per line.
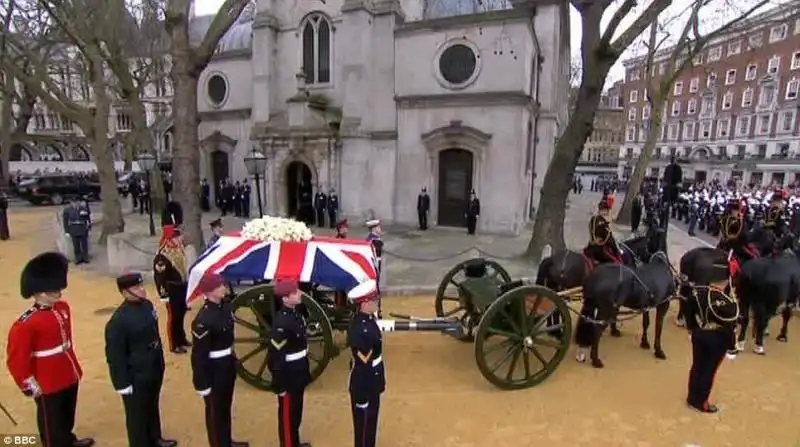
pixel 316 50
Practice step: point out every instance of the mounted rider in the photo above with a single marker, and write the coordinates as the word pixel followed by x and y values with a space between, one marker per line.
pixel 776 224
pixel 602 247
pixel 735 236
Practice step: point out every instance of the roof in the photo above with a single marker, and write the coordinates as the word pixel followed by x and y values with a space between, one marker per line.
pixel 238 37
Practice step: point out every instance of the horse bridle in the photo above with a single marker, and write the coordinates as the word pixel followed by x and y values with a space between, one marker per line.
pixel 678 278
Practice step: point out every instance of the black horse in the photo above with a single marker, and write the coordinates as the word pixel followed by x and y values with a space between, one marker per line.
pixel 612 286
pixel 763 285
pixel 567 269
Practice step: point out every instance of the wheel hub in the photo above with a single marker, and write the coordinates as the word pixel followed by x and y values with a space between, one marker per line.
pixel 528 342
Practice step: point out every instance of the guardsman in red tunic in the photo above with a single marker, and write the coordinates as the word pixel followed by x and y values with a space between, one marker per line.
pixel 39 354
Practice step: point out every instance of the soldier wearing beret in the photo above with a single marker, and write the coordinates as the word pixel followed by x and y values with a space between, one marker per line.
pixel 135 360
pixel 287 359
pixel 341 229
pixel 214 362
pixel 367 374
pixel 711 318
pixel 40 355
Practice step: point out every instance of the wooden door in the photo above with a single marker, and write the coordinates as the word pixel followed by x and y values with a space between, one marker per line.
pixel 455 184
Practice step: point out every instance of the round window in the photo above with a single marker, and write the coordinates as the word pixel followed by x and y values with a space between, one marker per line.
pixel 457 64
pixel 217 89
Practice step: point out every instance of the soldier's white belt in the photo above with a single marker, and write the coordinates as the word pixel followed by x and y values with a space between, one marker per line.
pixel 377 361
pixel 53 351
pixel 218 354
pixel 296 355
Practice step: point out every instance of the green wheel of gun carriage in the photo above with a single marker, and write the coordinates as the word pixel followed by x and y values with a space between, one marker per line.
pixel 522 337
pixel 253 311
pixel 451 298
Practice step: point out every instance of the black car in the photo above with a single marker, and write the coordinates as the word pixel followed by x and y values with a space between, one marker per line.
pixel 56 189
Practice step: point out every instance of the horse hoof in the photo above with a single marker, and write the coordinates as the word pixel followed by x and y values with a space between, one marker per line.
pixel 660 355
pixel 597 363
pixel 644 344
pixel 759 350
pixel 580 358
pixel 616 333
pixel 782 338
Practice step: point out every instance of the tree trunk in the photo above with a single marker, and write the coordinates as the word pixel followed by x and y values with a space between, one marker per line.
pixel 113 221
pixel 186 156
pixel 550 214
pixel 639 172
pixel 6 128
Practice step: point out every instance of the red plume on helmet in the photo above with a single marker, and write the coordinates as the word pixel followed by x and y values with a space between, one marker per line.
pixel 167 233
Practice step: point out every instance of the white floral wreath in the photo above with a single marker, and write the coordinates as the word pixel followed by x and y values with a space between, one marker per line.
pixel 276 229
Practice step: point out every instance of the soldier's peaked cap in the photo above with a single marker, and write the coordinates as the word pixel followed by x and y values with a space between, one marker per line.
pixel 373 223
pixel 216 223
pixel 46 272
pixel 128 280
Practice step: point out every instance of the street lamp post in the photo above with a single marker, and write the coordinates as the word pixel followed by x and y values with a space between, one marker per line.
pixel 146 163
pixel 256 164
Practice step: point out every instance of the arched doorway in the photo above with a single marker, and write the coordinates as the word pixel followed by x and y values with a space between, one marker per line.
pixel 455 184
pixel 20 153
pixel 299 193
pixel 219 170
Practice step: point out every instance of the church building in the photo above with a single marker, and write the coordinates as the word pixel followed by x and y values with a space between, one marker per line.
pixel 376 99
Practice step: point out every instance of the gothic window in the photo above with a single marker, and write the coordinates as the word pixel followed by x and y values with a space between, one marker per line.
pixel 316 50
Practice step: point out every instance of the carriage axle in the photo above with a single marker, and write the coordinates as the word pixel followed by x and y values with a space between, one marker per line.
pixel 450 326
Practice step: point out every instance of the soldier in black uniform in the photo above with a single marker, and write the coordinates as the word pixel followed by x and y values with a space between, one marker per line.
pixel 3 216
pixel 320 205
pixel 711 318
pixel 136 362
pixel 214 362
pixel 237 199
pixel 287 359
pixel 367 374
pixel 776 224
pixel 341 229
pixel 205 196
pixel 734 234
pixel 246 191
pixel 333 206
pixel 473 212
pixel 602 247
pixel 423 206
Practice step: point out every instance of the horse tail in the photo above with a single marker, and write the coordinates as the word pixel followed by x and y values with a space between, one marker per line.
pixel 544 271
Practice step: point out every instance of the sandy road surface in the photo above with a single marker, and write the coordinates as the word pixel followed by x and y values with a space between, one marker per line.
pixel 436 396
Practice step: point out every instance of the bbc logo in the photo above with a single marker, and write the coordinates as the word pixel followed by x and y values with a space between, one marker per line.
pixel 14 440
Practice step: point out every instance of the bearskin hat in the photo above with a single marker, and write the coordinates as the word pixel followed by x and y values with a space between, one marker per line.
pixel 46 272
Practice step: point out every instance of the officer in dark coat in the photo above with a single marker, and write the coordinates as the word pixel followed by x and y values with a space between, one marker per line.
pixel 333 207
pixel 136 362
pixel 246 192
pixel 473 212
pixel 711 318
pixel 77 222
pixel 602 247
pixel 4 233
pixel 214 362
pixel 287 359
pixel 367 374
pixel 423 206
pixel 238 194
pixel 673 176
pixel 320 205
pixel 205 196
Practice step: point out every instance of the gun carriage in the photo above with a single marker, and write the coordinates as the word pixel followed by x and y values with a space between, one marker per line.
pixel 521 332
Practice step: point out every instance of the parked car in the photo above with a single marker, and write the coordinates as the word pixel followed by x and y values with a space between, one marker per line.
pixel 56 189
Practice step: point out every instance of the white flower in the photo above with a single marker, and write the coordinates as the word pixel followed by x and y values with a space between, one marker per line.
pixel 276 229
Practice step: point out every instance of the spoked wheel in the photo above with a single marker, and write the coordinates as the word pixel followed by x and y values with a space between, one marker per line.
pixel 450 300
pixel 254 311
pixel 523 337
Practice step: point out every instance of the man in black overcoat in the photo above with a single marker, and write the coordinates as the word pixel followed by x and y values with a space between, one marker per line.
pixel 423 206
pixel 673 176
pixel 4 233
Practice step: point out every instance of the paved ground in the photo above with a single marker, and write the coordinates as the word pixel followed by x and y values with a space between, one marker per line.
pixel 435 395
pixel 415 261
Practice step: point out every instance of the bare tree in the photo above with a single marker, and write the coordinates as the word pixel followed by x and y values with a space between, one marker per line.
pixel 61 37
pixel 600 50
pixel 188 61
pixel 680 56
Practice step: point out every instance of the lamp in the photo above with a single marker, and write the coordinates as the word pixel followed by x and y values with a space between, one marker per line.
pixel 256 164
pixel 146 163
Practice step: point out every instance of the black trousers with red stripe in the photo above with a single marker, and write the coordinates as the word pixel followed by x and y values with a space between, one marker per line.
pixel 218 408
pixel 290 416
pixel 365 421
pixel 176 316
pixel 708 351
pixel 55 415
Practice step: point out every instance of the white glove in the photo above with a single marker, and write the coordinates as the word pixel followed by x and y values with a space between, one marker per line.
pixel 127 391
pixel 362 406
pixel 204 393
pixel 165 300
pixel 32 388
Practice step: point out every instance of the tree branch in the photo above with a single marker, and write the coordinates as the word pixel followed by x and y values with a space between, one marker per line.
pixel 226 16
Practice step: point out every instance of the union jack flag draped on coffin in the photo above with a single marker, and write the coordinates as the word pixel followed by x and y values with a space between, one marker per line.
pixel 340 264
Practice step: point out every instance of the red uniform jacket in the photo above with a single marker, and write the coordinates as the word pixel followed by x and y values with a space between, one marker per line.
pixel 39 351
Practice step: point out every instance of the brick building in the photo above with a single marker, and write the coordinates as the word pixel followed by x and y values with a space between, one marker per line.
pixel 733 112
pixel 601 152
